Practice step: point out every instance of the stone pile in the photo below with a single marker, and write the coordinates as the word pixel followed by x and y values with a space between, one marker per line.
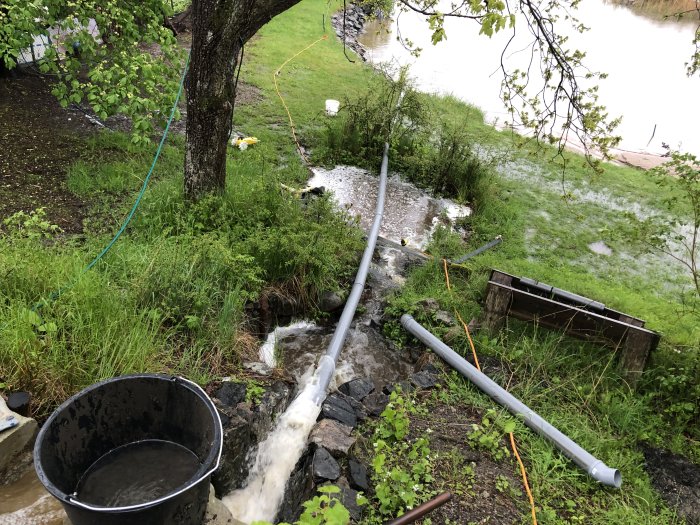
pixel 353 24
pixel 329 458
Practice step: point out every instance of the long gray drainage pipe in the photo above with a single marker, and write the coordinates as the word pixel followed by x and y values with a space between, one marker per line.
pixel 592 465
pixel 326 365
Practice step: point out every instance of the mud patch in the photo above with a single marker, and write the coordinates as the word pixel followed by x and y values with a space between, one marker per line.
pixel 483 490
pixel 677 480
pixel 39 140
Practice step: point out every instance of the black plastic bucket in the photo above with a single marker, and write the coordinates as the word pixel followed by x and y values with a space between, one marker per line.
pixel 122 411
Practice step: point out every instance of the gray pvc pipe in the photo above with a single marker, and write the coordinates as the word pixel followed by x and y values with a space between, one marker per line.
pixel 592 465
pixel 498 240
pixel 326 365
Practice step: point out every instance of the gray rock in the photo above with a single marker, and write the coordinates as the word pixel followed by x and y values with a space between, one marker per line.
pixel 243 429
pixel 324 466
pixel 230 393
pixel 424 380
pixel 238 440
pixel 217 513
pixel 431 369
pixel 376 402
pixel 330 301
pixel 429 304
pixel 357 388
pixel 358 476
pixel 299 488
pixel 333 436
pixel 405 387
pixel 348 497
pixel 337 408
pixel 257 367
pixel 15 440
pixel 445 318
pixel 274 401
pixel 357 407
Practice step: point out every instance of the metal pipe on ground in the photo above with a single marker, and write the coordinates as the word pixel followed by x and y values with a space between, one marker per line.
pixel 479 250
pixel 326 366
pixel 592 465
pixel 421 510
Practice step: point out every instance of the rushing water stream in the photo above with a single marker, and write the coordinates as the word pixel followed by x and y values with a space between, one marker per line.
pixel 410 214
pixel 645 60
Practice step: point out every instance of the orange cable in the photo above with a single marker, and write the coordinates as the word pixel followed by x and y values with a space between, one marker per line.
pixel 466 328
pixel 274 77
pixel 512 439
pixel 447 274
pixel 524 474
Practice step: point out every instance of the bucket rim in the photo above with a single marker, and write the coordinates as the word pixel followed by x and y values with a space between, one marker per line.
pixel 214 455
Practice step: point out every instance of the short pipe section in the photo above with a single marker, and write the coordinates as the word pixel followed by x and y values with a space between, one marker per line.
pixel 592 465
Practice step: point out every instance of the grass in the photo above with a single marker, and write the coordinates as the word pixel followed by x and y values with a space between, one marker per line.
pixel 170 295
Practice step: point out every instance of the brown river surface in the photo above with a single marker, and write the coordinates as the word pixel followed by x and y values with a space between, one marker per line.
pixel 644 58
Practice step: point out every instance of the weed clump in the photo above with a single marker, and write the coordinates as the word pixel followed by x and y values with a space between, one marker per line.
pixel 431 149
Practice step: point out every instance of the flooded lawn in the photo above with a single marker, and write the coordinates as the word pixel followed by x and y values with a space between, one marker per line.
pixel 409 214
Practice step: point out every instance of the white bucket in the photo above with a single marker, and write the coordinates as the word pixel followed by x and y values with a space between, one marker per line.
pixel 332 107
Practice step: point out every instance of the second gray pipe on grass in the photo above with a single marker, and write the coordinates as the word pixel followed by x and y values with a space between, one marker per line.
pixel 592 465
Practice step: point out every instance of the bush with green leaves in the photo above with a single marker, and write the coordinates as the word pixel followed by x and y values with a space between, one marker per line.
pixel 431 149
pixel 401 467
pixel 32 225
pixel 131 67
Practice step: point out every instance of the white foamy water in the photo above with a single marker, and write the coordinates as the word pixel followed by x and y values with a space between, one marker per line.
pixel 267 350
pixel 275 460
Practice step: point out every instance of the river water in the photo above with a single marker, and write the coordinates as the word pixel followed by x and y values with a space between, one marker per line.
pixel 644 58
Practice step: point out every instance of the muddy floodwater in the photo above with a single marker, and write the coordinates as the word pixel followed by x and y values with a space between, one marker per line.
pixel 26 502
pixel 409 214
pixel 645 59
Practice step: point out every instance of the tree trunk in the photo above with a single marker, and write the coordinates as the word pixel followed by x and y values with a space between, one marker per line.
pixel 219 29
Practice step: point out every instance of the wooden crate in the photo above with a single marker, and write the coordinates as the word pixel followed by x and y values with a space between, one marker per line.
pixel 529 300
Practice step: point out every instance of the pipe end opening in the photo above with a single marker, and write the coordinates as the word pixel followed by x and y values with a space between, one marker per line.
pixel 617 479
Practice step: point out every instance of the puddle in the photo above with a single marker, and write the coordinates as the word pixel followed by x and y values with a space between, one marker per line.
pixel 600 248
pixel 26 502
pixel 410 213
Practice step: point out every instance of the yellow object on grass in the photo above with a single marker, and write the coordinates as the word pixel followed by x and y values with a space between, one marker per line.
pixel 243 143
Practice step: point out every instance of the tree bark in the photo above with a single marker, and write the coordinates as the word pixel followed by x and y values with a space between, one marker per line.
pixel 219 29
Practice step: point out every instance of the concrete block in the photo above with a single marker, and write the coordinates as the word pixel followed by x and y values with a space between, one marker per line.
pixel 15 440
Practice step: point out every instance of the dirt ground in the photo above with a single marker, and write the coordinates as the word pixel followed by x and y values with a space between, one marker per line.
pixel 38 141
pixel 677 480
pixel 491 494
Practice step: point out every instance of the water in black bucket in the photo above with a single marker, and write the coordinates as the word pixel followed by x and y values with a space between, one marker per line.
pixel 137 473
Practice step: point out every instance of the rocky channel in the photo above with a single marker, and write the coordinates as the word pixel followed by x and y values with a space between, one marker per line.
pixel 329 457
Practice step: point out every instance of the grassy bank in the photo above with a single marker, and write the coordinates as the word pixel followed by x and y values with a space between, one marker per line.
pixel 663 8
pixel 171 294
